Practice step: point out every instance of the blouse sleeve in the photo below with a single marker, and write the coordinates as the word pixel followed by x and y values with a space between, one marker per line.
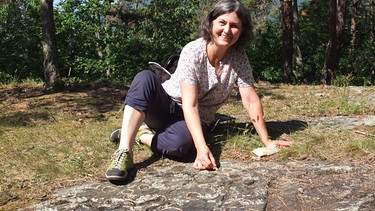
pixel 245 74
pixel 188 65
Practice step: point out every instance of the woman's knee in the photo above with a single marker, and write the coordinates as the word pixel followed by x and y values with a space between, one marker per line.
pixel 181 149
pixel 142 90
pixel 144 75
pixel 178 146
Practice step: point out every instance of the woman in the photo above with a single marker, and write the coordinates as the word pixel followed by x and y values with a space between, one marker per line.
pixel 180 109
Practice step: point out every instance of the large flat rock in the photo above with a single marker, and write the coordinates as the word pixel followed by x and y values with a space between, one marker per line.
pixel 235 186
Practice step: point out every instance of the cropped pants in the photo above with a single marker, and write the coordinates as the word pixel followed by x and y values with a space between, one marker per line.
pixel 163 115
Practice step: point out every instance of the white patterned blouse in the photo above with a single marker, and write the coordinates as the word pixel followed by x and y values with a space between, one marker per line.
pixel 213 90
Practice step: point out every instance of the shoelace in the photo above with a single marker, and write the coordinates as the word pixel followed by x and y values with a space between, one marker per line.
pixel 119 157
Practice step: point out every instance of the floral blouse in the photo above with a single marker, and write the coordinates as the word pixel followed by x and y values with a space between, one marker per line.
pixel 213 90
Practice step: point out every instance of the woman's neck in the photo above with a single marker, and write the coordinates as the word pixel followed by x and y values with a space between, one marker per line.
pixel 215 54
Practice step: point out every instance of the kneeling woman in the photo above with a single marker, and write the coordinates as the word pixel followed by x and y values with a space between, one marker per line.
pixel 180 109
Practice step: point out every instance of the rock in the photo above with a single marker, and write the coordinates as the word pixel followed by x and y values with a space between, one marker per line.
pixel 235 186
pixel 369 121
pixel 342 122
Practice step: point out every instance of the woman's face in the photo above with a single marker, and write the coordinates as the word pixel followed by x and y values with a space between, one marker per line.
pixel 226 29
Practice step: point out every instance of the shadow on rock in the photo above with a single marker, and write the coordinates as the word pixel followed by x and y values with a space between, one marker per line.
pixel 226 127
pixel 226 124
pixel 278 128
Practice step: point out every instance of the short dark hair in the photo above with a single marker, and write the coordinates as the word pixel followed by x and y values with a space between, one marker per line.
pixel 224 7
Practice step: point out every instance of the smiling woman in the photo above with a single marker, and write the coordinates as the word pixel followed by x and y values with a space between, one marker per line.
pixel 226 29
pixel 223 8
pixel 179 111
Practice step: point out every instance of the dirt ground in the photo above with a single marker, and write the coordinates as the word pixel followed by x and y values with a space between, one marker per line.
pixel 257 184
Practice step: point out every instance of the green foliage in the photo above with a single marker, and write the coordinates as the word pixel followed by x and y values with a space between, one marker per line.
pixel 364 64
pixel 119 45
pixel 343 80
pixel 364 59
pixel 314 39
pixel 314 36
pixel 115 40
pixel 21 53
pixel 265 53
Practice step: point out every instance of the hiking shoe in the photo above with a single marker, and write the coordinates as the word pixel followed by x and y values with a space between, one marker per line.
pixel 115 135
pixel 122 161
pixel 143 129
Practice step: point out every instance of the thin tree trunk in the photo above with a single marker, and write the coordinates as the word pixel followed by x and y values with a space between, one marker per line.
pixel 353 31
pixel 337 26
pixel 51 70
pixel 372 34
pixel 296 40
pixel 287 27
pixel 107 49
pixel 341 9
pixel 103 52
pixel 330 68
pixel 372 31
pixel 99 38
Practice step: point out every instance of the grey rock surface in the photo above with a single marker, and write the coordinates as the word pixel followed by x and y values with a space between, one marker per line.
pixel 235 186
pixel 342 122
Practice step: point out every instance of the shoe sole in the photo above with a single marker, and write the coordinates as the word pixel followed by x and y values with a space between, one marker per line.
pixel 117 178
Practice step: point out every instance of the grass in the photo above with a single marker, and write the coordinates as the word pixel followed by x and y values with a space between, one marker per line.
pixel 53 141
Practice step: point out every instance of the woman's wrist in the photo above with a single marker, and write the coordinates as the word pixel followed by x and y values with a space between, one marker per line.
pixel 201 147
pixel 268 142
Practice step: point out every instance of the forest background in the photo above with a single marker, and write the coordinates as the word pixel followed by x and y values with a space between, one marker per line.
pixel 297 42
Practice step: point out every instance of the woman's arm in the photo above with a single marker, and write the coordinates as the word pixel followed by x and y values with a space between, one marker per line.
pixel 253 106
pixel 204 159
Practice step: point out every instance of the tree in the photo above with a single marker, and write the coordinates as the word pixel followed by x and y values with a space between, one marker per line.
pixel 286 20
pixel 115 39
pixel 372 34
pixel 51 70
pixel 372 28
pixel 336 30
pixel 353 31
pixel 296 41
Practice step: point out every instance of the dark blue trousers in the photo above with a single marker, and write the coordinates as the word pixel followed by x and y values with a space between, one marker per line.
pixel 163 115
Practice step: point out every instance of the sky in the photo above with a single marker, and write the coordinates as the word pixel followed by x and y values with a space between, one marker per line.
pixel 55 2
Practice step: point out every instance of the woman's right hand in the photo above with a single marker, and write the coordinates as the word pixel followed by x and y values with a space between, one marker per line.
pixel 204 160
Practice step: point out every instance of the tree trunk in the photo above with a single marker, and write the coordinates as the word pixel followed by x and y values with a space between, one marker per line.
pixel 341 9
pixel 296 41
pixel 287 27
pixel 353 32
pixel 99 37
pixel 329 66
pixel 372 31
pixel 51 70
pixel 103 49
pixel 336 31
